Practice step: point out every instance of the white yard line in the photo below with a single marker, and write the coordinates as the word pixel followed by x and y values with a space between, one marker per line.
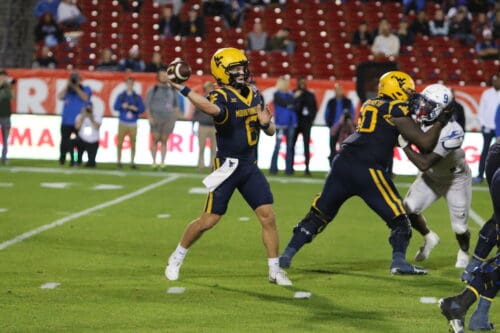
pixel 84 212
pixel 475 216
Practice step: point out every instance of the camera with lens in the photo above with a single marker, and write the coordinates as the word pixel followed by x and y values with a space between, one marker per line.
pixel 74 77
pixel 347 114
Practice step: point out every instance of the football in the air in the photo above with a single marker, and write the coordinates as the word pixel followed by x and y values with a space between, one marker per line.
pixel 179 71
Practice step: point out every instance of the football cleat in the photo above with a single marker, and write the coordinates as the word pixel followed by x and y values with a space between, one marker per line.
pixel 405 268
pixel 462 259
pixel 454 313
pixel 479 322
pixel 431 240
pixel 279 277
pixel 173 268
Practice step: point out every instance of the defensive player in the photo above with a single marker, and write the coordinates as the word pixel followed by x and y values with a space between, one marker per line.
pixel 488 233
pixel 239 114
pixel 360 169
pixel 444 173
pixel 486 278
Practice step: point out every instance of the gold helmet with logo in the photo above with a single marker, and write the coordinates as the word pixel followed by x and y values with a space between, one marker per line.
pixel 396 85
pixel 223 60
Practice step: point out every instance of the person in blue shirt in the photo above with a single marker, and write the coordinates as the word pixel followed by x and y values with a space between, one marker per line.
pixel 335 108
pixel 75 97
pixel 286 121
pixel 130 106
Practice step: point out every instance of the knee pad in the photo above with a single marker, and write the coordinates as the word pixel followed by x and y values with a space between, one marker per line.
pixel 311 225
pixel 489 272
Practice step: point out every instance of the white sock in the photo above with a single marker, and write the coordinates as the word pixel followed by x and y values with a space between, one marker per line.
pixel 273 263
pixel 181 252
pixel 428 235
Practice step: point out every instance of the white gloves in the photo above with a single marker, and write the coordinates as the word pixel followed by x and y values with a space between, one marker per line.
pixel 402 142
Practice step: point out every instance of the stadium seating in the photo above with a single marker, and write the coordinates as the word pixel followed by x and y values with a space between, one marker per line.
pixel 322 30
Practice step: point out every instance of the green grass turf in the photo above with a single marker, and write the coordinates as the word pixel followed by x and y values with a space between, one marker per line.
pixel 110 261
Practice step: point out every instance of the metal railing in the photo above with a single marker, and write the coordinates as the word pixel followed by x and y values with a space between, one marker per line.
pixel 16 32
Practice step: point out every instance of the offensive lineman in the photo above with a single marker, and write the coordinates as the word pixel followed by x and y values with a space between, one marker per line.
pixel 444 173
pixel 360 169
pixel 239 114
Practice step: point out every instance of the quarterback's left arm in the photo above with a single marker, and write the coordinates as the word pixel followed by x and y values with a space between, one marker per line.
pixel 265 122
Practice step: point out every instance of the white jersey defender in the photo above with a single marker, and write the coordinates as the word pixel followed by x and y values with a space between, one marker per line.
pixel 449 176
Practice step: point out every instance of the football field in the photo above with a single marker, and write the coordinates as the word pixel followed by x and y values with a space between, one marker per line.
pixel 85 250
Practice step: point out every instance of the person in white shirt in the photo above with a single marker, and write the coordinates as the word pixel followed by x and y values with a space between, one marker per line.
pixel 87 124
pixel 69 15
pixel 386 44
pixel 488 104
pixel 443 173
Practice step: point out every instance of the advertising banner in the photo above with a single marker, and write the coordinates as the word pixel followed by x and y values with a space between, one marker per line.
pixel 38 137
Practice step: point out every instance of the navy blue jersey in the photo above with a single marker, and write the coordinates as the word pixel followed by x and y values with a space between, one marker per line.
pixel 376 135
pixel 237 125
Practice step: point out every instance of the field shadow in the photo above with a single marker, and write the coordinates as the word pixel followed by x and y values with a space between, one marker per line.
pixel 318 310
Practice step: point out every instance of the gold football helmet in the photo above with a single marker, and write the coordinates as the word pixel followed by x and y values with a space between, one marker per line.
pixel 222 62
pixel 396 85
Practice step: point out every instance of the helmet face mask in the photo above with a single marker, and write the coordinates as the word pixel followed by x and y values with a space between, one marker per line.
pixel 229 66
pixel 396 85
pixel 432 101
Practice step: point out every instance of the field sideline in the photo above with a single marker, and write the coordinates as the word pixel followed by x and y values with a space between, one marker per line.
pixel 102 238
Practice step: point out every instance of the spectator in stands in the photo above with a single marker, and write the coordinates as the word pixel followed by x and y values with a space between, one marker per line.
pixel 404 34
pixel 383 21
pixel 335 108
pixel 133 62
pixel 106 61
pixel 130 106
pixel 45 59
pixel 439 25
pixel 46 6
pixel 175 4
pixel 6 97
pixel 281 41
pixel 213 7
pixel 362 36
pixel 87 123
pixel 496 25
pixel 233 13
pixel 47 31
pixel 488 104
pixel 69 15
pixel 131 6
pixel 480 24
pixel 285 120
pixel 75 97
pixel 306 108
pixel 487 48
pixel 256 40
pixel 418 5
pixel 386 44
pixel 420 25
pixel 170 23
pixel 155 64
pixel 194 26
pixel 461 27
pixel 206 130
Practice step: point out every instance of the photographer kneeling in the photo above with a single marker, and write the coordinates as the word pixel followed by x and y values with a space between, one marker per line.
pixel 87 124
